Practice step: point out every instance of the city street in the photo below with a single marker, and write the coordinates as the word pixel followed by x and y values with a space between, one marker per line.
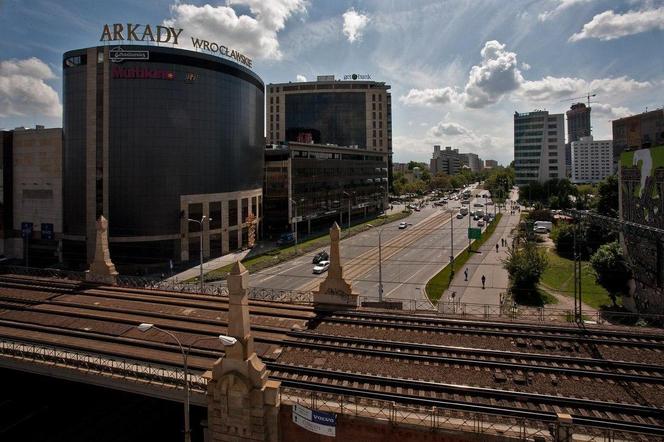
pixel 410 257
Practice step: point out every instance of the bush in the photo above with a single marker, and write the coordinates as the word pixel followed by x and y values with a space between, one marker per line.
pixel 563 237
pixel 611 269
pixel 540 215
pixel 525 267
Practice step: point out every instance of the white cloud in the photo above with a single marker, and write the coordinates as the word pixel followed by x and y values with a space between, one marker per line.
pixel 442 129
pixel 525 66
pixel 496 76
pixel 300 78
pixel 562 5
pixel 608 111
pixel 552 88
pixel 254 35
pixel 428 97
pixel 608 25
pixel 23 90
pixel 354 24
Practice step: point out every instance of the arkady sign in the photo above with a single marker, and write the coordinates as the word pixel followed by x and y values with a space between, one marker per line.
pixel 163 34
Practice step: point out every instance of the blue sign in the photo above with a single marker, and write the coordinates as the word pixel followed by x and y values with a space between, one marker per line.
pixel 26 230
pixel 315 421
pixel 47 231
pixel 323 418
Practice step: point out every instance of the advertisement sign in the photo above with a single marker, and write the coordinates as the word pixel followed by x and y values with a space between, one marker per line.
pixel 47 231
pixel 26 230
pixel 315 421
pixel 474 233
pixel 117 55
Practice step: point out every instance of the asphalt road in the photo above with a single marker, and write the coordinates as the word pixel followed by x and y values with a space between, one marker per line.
pixel 406 268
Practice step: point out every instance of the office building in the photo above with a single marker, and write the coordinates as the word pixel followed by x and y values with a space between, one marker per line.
pixel 31 194
pixel 473 162
pixel 353 113
pixel 539 147
pixel 151 142
pixel 399 168
pixel 490 164
pixel 448 161
pixel 319 182
pixel 640 131
pixel 592 160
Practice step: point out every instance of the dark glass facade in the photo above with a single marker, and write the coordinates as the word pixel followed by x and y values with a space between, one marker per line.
pixel 329 117
pixel 182 123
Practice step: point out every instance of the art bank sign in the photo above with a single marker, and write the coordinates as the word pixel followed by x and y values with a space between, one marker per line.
pixel 166 34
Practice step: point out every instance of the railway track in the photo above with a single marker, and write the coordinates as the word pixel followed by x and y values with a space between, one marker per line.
pixel 358 266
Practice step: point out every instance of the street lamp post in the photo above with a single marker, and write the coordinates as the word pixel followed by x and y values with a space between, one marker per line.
pixel 225 340
pixel 380 264
pixel 201 243
pixel 295 219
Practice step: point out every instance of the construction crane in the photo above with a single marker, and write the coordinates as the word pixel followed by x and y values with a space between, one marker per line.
pixel 587 97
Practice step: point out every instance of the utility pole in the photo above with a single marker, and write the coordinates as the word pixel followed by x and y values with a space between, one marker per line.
pixel 452 243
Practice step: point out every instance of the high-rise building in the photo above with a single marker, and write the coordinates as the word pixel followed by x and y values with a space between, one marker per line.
pixel 351 113
pixel 578 125
pixel 592 160
pixel 31 194
pixel 473 162
pixel 490 164
pixel 448 161
pixel 640 131
pixel 539 146
pixel 151 142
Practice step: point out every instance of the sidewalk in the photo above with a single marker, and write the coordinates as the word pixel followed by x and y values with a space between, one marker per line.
pixel 487 263
pixel 210 265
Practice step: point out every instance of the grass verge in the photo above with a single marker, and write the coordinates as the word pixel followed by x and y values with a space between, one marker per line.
pixel 441 281
pixel 559 278
pixel 277 256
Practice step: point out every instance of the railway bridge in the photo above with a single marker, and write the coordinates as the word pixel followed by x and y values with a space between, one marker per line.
pixel 381 374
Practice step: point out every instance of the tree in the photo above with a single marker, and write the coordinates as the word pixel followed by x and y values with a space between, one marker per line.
pixel 540 215
pixel 525 267
pixel 607 197
pixel 611 269
pixel 563 237
pixel 440 182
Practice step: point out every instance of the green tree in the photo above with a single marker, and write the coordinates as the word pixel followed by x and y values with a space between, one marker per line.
pixel 607 196
pixel 440 181
pixel 525 267
pixel 563 237
pixel 611 269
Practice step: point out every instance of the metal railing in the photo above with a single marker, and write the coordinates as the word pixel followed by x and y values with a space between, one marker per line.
pixel 97 364
pixel 438 418
pixel 406 304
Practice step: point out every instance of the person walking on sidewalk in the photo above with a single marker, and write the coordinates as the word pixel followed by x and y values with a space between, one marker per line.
pixel 465 273
pixel 496 247
pixel 483 281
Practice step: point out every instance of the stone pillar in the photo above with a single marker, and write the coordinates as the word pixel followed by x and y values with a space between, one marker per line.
pixel 334 291
pixel 243 405
pixel 564 428
pixel 102 268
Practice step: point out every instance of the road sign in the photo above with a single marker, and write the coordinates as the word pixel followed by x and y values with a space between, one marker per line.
pixel 317 422
pixel 296 219
pixel 474 233
pixel 47 231
pixel 26 230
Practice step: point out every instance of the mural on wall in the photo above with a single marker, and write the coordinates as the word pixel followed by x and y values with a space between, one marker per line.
pixel 642 202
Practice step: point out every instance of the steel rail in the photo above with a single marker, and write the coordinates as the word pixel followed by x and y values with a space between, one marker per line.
pixel 493 393
pixel 475 351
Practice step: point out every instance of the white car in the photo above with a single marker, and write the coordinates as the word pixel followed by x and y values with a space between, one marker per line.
pixel 402 225
pixel 321 267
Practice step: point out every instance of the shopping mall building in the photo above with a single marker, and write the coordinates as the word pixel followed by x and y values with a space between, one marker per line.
pixel 154 136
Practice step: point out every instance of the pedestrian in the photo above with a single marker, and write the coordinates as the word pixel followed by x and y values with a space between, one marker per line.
pixel 465 273
pixel 483 281
pixel 496 247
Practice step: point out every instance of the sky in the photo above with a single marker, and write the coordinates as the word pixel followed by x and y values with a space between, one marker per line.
pixel 458 70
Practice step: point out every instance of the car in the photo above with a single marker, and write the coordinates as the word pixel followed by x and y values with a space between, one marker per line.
pixel 489 203
pixel 487 218
pixel 540 229
pixel 478 205
pixel 321 267
pixel 459 215
pixel 417 209
pixel 320 256
pixel 480 223
pixel 464 202
pixel 476 217
pixel 286 239
pixel 403 225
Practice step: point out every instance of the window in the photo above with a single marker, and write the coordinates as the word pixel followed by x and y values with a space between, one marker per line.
pixel 232 213
pixel 245 209
pixel 215 215
pixel 196 213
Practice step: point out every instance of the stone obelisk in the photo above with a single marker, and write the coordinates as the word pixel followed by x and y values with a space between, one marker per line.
pixel 102 268
pixel 335 291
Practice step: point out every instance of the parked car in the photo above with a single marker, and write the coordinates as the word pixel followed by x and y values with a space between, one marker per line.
pixel 480 223
pixel 459 215
pixel 403 225
pixel 543 225
pixel 487 218
pixel 540 229
pixel 417 209
pixel 321 267
pixel 478 205
pixel 476 217
pixel 286 239
pixel 320 256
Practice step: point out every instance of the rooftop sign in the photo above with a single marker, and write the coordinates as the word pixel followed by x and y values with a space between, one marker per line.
pixel 164 34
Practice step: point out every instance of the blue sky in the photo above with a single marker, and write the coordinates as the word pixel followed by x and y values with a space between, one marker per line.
pixel 458 69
